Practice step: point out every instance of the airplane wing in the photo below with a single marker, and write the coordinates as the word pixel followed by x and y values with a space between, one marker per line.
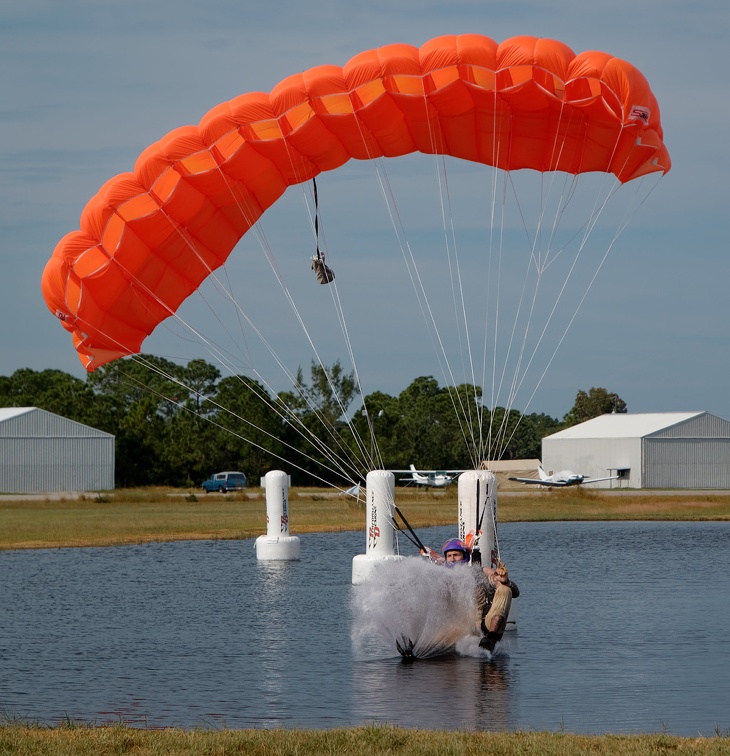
pixel 429 472
pixel 595 480
pixel 538 482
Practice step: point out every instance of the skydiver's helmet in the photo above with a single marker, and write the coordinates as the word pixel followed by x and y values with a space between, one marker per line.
pixel 456 544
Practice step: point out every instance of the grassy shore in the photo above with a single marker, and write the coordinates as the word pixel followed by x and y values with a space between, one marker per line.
pixel 144 515
pixel 354 741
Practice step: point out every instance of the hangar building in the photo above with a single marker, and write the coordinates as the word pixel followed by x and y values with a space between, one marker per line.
pixel 41 452
pixel 653 450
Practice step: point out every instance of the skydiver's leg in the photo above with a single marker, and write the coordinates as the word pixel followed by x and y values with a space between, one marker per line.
pixel 496 620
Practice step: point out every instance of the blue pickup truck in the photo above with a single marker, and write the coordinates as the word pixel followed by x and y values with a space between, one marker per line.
pixel 225 482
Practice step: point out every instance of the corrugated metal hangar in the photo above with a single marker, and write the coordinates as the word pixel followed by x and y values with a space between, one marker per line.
pixel 652 450
pixel 45 453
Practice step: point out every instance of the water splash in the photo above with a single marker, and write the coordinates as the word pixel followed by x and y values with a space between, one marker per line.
pixel 414 600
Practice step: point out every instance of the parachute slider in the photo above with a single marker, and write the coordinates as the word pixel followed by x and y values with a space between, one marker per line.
pixel 323 272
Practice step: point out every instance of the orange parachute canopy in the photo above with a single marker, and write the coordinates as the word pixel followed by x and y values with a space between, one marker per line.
pixel 149 238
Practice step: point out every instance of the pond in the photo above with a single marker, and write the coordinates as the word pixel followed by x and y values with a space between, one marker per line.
pixel 622 627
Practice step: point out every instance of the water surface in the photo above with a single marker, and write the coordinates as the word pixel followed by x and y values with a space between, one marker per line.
pixel 622 628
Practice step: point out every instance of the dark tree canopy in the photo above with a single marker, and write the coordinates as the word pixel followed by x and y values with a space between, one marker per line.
pixel 598 401
pixel 436 427
pixel 176 424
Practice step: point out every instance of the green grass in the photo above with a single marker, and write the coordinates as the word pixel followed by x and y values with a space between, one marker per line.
pixel 143 515
pixel 585 504
pixel 73 740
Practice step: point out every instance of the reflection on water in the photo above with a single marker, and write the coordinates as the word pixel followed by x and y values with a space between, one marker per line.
pixel 467 693
pixel 268 621
pixel 623 628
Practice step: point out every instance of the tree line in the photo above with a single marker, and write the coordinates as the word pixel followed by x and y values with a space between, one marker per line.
pixel 177 424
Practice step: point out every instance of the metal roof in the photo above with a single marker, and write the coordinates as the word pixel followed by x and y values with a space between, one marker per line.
pixel 7 413
pixel 625 425
pixel 39 423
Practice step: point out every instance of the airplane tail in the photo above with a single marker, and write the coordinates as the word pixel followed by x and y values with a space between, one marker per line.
pixel 416 477
pixel 543 474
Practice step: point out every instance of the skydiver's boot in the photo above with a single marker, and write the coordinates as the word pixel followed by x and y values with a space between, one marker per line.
pixel 405 648
pixel 494 634
pixel 490 640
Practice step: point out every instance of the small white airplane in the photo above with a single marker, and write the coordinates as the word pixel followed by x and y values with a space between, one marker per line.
pixel 561 479
pixel 430 478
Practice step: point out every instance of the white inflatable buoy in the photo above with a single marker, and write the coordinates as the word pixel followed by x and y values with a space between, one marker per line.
pixel 477 515
pixel 477 520
pixel 379 508
pixel 277 544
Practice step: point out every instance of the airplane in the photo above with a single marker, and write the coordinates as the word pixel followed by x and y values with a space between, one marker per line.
pixel 430 478
pixel 561 479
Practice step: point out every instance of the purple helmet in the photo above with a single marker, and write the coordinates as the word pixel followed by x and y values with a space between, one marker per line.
pixel 456 544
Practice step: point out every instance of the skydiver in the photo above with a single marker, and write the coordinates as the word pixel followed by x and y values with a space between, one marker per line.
pixel 494 593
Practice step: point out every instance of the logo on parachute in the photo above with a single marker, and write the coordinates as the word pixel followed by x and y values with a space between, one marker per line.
pixel 639 113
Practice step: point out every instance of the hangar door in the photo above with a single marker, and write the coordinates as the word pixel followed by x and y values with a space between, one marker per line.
pixel 686 463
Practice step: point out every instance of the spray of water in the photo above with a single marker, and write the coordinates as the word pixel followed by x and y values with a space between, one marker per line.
pixel 413 599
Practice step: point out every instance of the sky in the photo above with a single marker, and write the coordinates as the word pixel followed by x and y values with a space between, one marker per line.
pixel 87 84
